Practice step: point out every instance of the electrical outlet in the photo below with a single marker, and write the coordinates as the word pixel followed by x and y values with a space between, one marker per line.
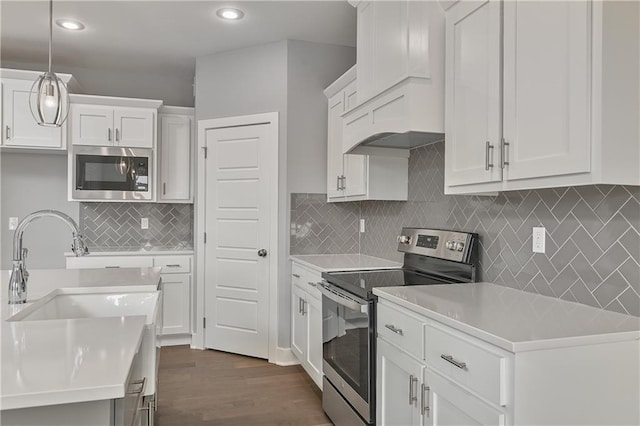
pixel 144 223
pixel 538 239
pixel 13 223
pixel 361 225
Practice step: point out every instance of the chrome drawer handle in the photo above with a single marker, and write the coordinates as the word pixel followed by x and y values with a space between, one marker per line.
pixel 425 400
pixel 142 384
pixel 296 275
pixel 461 365
pixel 312 284
pixel 173 266
pixel 112 267
pixel 395 330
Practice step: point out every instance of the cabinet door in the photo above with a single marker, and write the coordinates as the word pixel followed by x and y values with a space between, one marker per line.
pixel 19 127
pixel 547 54
pixel 134 127
pixel 334 146
pixel 398 387
pixel 175 158
pixel 473 115
pixel 449 405
pixel 176 296
pixel 354 166
pixel 91 125
pixel 298 323
pixel 314 332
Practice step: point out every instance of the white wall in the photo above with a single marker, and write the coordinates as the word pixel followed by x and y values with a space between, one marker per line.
pixel 172 89
pixel 33 182
pixel 286 77
pixel 311 68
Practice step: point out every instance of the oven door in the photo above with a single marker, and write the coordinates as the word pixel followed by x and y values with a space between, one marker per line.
pixel 110 173
pixel 348 337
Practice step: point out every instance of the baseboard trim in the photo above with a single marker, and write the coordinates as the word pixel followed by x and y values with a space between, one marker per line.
pixel 285 357
pixel 175 340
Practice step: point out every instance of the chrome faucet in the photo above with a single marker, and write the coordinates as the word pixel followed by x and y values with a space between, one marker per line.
pixel 19 273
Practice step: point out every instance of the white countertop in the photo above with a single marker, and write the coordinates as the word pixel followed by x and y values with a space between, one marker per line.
pixel 343 262
pixel 65 361
pixel 512 319
pixel 136 252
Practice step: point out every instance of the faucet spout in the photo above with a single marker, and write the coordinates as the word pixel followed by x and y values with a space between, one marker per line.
pixel 19 274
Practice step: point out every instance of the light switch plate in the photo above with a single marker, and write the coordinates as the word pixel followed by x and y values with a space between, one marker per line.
pixel 144 223
pixel 538 238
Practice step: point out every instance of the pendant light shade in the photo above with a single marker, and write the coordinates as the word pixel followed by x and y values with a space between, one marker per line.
pixel 49 100
pixel 49 97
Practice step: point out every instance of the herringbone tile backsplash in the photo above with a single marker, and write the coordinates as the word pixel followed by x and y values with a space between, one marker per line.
pixel 592 242
pixel 116 226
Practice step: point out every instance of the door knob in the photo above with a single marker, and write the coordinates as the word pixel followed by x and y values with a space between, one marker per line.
pixel 262 253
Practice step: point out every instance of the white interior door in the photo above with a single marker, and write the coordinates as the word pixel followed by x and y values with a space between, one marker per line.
pixel 241 188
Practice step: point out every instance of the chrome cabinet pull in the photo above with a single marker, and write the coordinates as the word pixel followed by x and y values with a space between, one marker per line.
pixel 337 183
pixel 8 133
pixel 299 305
pixel 296 275
pixel 304 307
pixel 504 147
pixel 173 265
pixel 112 267
pixel 109 135
pixel 142 384
pixel 461 365
pixel 117 135
pixel 425 400
pixel 488 152
pixel 343 178
pixel 412 394
pixel 312 284
pixel 164 188
pixel 394 329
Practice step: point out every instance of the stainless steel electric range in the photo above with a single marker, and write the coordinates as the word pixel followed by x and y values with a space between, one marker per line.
pixel 349 315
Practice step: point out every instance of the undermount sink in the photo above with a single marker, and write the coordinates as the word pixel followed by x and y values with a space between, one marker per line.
pixel 64 305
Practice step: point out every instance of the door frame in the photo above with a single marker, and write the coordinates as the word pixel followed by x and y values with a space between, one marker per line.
pixel 272 119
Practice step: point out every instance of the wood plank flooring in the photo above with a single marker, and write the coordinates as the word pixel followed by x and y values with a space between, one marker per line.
pixel 217 388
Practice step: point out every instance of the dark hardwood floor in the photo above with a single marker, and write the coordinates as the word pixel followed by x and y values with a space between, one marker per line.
pixel 217 388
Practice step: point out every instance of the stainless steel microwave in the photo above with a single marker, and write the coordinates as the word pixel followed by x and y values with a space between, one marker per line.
pixel 112 173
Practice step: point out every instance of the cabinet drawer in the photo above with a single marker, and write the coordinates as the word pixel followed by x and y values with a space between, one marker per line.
pixel 468 362
pixel 401 329
pixel 306 279
pixel 173 264
pixel 110 262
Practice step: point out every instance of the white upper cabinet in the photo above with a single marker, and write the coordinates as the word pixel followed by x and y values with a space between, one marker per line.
pixel 19 128
pixel 176 155
pixel 400 74
pixel 106 121
pixel 562 109
pixel 358 177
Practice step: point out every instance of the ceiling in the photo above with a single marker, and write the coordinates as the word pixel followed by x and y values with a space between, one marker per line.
pixel 162 36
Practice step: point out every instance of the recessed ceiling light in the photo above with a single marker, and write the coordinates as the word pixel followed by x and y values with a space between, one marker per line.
pixel 230 14
pixel 69 24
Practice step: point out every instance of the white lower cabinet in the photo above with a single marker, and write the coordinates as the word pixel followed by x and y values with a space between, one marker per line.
pixel 431 375
pixel 176 277
pixel 306 321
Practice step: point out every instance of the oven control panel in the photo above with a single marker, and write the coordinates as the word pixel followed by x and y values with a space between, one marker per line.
pixel 449 245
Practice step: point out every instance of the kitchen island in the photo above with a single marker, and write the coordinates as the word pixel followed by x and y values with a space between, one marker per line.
pixel 76 370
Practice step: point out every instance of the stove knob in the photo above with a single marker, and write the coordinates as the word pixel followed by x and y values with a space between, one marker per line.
pixel 459 246
pixel 404 239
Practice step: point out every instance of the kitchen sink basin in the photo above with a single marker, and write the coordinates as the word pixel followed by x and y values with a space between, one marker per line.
pixel 62 305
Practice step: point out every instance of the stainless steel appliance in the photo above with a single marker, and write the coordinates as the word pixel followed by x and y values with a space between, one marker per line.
pixel 349 315
pixel 112 173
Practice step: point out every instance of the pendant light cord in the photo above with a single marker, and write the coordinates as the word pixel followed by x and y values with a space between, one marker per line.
pixel 50 30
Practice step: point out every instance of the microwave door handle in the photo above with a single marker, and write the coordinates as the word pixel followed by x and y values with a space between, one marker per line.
pixel 340 300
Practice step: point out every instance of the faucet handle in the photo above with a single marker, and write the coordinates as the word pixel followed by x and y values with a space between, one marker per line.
pixel 25 251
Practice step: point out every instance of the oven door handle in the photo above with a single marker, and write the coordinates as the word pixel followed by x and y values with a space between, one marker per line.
pixel 342 299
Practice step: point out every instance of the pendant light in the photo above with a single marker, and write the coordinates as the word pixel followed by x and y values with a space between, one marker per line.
pixel 49 97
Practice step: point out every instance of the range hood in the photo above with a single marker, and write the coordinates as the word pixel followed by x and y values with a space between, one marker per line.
pixel 407 115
